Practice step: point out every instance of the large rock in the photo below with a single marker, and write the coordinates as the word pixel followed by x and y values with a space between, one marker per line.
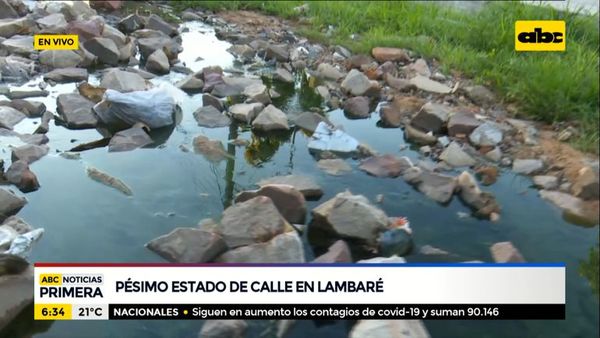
pixel 389 329
pixel 487 134
pixel 586 184
pixel 147 46
pixel 223 328
pixel 483 203
pixel 212 150
pixel 462 124
pixel 277 52
pixel 76 111
pixel 350 216
pixel 269 119
pixel 415 135
pixel 188 245
pixel 131 23
pixel 245 112
pixel 385 165
pixel 129 139
pixel 455 156
pixel 19 44
pixel 19 174
pixel 284 248
pixel 383 54
pixel 431 118
pixel 338 252
pixel 67 75
pixel 191 84
pixel 157 23
pixel 114 34
pixel 505 252
pixel 209 116
pixel 283 75
pixel 256 220
pixel 401 108
pixel 10 27
pixel 86 29
pixel 104 49
pixel 428 85
pixel 59 58
pixel 480 95
pixel 527 166
pixel 123 81
pixel 329 72
pixel 209 100
pixel 257 92
pixel 158 62
pixel 10 117
pixel 357 107
pixel 17 224
pixel 575 209
pixel 309 121
pixel 438 187
pixel 289 202
pixel 53 23
pixel 10 203
pixel 16 292
pixel 7 11
pixel 306 185
pixel 546 182
pixel 356 83
pixel 29 153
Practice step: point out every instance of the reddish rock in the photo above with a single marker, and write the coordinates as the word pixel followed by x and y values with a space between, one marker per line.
pixel 338 252
pixel 505 252
pixel 383 54
pixel 385 165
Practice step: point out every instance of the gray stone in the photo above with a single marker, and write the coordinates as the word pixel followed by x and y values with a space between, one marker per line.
pixel 10 203
pixel 19 44
pixel 104 49
pixel 123 81
pixel 327 71
pixel 505 252
pixel 309 121
pixel 10 117
pixel 188 245
pixel 545 182
pixel 129 139
pixel 7 11
pixel 158 62
pixel 338 252
pixel 455 156
pixel 209 100
pixel 462 124
pixel 148 45
pixel 17 224
pixel 431 117
pixel 487 134
pixel 357 107
pixel 244 52
pixel 29 153
pixel 306 185
pixel 350 216
pixel 114 34
pixel 586 184
pixel 223 328
pixel 494 155
pixel 76 111
pixel 335 167
pixel 480 95
pixel 270 119
pixel 257 92
pixel 527 166
pixel 277 52
pixel 574 209
pixel 246 112
pixel 131 23
pixel 283 248
pixel 356 83
pixel 10 27
pixel 400 110
pixel 256 220
pixel 190 84
pixel 22 94
pixel 157 23
pixel 67 75
pixel 483 203
pixel 438 187
pixel 283 75
pixel 212 150
pixel 419 137
pixel 419 67
pixel 402 85
pixel 59 58
pixel 289 202
pixel 385 165
pixel 209 116
pixel 16 292
pixel 19 174
pixel 53 23
pixel 424 83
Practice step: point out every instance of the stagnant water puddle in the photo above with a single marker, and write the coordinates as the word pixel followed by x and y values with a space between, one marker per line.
pixel 86 221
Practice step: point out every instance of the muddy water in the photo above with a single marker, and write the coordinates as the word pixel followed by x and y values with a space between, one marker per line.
pixel 86 221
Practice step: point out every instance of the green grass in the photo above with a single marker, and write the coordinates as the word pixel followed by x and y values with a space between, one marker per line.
pixel 547 86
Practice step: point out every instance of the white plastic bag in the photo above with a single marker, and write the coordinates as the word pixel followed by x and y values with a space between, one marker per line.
pixel 330 138
pixel 21 245
pixel 153 107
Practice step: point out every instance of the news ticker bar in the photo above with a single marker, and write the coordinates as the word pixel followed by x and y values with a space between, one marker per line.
pixel 299 311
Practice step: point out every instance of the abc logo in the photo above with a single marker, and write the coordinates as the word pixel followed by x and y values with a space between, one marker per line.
pixel 540 35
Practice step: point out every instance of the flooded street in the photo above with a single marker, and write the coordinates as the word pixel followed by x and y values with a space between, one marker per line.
pixel 85 221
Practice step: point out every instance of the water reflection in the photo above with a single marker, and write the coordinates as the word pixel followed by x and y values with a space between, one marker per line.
pixel 590 270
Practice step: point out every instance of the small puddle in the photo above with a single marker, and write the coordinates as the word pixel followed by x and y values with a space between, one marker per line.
pixel 86 221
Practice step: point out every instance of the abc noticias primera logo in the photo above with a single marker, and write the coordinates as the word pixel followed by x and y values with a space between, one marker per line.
pixel 540 36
